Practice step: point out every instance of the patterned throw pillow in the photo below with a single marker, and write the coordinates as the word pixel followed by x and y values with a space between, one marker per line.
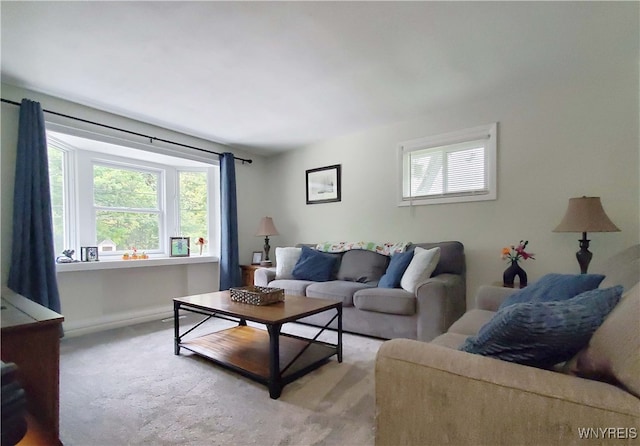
pixel 543 334
pixel 314 265
pixel 554 287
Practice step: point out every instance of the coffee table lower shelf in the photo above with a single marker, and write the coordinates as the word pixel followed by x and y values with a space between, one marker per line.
pixel 246 350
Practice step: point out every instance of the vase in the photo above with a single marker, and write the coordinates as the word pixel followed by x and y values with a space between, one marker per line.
pixel 513 271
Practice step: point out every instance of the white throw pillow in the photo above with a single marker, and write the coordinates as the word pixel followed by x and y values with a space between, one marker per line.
pixel 422 265
pixel 286 259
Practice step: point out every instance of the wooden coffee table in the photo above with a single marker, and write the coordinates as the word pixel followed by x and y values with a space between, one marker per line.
pixel 266 356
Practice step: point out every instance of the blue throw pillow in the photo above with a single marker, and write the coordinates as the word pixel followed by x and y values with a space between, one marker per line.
pixel 542 334
pixel 554 287
pixel 397 266
pixel 313 265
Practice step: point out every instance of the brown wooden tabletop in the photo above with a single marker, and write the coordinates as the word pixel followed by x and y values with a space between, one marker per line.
pixel 293 307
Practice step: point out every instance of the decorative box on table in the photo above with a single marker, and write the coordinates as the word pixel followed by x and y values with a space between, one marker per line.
pixel 257 295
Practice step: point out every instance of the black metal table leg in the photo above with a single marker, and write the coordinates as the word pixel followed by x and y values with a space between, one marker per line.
pixel 275 379
pixel 339 346
pixel 176 328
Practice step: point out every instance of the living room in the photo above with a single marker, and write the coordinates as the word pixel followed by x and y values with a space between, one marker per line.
pixel 568 126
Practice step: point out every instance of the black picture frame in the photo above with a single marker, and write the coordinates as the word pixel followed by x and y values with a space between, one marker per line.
pixel 179 246
pixel 324 184
pixel 89 253
pixel 256 258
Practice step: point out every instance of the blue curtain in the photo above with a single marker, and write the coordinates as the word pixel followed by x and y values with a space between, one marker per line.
pixel 229 257
pixel 33 271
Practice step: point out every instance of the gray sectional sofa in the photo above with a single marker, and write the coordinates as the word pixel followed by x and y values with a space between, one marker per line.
pixel 385 312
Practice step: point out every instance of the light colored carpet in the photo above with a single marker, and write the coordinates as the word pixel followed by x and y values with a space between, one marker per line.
pixel 126 386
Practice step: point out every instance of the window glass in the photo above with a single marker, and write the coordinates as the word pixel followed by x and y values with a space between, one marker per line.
pixel 458 166
pixel 56 186
pixel 192 203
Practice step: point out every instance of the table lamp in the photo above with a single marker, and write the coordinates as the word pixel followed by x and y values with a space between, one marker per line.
pixel 266 229
pixel 585 214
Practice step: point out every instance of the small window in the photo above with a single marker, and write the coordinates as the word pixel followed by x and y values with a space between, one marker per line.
pixel 453 167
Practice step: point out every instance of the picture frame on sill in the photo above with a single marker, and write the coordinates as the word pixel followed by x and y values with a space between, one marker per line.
pixel 324 184
pixel 256 258
pixel 179 247
pixel 89 253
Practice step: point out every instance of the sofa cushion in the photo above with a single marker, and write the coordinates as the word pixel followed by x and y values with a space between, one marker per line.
pixel 613 353
pixel 286 259
pixel 313 265
pixel 292 286
pixel 397 266
pixel 340 290
pixel 385 300
pixel 471 322
pixel 422 265
pixel 449 340
pixel 452 260
pixel 552 287
pixel 359 265
pixel 543 334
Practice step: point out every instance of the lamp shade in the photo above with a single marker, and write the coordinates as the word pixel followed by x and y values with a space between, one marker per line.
pixel 266 227
pixel 585 214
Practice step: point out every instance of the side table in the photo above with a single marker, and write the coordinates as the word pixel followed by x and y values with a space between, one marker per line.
pixel 247 273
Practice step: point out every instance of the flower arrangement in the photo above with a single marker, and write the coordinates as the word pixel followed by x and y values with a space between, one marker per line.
pixel 134 256
pixel 515 253
pixel 201 242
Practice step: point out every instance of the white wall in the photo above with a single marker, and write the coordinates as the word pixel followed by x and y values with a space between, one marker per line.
pixel 565 141
pixel 114 297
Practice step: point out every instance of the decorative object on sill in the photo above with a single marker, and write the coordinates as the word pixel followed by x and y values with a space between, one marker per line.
pixel 107 245
pixel 324 184
pixel 585 214
pixel 256 258
pixel 201 242
pixel 266 229
pixel 256 295
pixel 134 254
pixel 89 253
pixel 67 257
pixel 126 256
pixel 179 246
pixel 514 254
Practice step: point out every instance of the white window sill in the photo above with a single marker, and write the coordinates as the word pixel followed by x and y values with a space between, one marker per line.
pixel 119 263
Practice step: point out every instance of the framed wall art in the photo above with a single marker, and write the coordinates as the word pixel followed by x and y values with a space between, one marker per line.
pixel 323 184
pixel 179 247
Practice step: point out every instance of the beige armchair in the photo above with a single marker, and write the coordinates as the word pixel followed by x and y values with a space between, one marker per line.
pixel 433 394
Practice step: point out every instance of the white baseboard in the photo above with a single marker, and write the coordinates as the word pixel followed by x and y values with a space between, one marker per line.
pixel 118 320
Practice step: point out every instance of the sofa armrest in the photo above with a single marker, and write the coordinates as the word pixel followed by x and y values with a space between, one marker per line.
pixel 489 297
pixel 441 300
pixel 262 276
pixel 428 394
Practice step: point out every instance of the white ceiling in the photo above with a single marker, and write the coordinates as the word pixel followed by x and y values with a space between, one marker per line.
pixel 272 76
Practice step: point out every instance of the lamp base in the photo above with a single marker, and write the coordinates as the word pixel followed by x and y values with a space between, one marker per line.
pixel 584 255
pixel 266 263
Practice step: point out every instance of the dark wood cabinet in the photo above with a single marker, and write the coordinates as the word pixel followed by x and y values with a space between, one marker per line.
pixel 31 340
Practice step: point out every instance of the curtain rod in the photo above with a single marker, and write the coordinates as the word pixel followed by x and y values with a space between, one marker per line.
pixel 150 138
